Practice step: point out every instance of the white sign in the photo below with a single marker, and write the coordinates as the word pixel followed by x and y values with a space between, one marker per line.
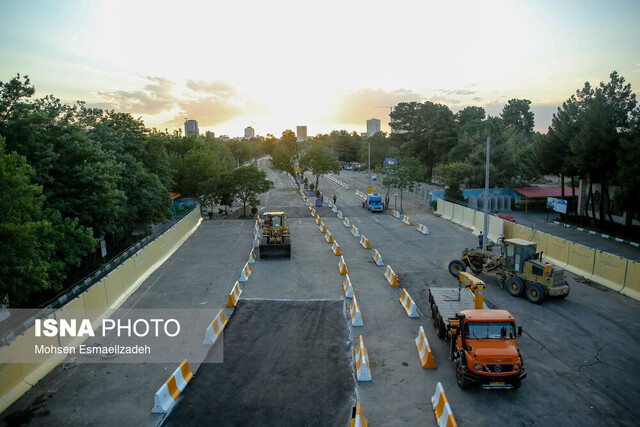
pixel 557 205
pixel 103 247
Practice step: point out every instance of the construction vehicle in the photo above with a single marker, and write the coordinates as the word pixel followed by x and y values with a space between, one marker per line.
pixel 482 341
pixel 373 202
pixel 275 240
pixel 519 267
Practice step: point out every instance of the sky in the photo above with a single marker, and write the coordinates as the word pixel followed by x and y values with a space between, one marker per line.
pixel 329 65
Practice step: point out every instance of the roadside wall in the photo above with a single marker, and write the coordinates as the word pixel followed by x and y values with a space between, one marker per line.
pixel 109 293
pixel 620 274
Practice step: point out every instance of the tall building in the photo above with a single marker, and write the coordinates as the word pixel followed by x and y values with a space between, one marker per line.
pixel 301 133
pixel 249 132
pixel 373 126
pixel 191 128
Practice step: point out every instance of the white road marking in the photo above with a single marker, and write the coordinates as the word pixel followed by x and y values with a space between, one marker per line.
pixel 375 219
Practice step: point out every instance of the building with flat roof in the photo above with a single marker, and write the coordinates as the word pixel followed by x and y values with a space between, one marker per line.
pixel 191 128
pixel 301 133
pixel 373 126
pixel 249 132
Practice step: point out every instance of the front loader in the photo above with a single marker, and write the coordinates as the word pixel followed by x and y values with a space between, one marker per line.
pixel 275 239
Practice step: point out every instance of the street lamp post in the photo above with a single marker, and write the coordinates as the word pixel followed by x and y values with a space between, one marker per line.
pixel 369 164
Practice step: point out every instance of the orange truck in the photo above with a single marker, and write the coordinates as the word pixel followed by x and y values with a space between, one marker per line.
pixel 482 341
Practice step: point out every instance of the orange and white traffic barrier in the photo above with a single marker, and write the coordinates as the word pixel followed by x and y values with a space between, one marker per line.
pixel 342 266
pixel 391 277
pixel 328 237
pixel 346 285
pixel 365 242
pixel 377 258
pixel 354 313
pixel 253 256
pixel 408 304
pixel 256 241
pixel 246 272
pixel 363 370
pixel 407 220
pixel 318 220
pixel 424 351
pixel 334 209
pixel 234 295
pixel 354 231
pixel 340 216
pixel 314 213
pixel 422 229
pixel 346 222
pixel 322 227
pixel 168 393
pixel 214 329
pixel 441 408
pixel 357 418
pixel 336 248
pixel 395 213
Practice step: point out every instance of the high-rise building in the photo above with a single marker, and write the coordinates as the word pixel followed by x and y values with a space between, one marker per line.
pixel 191 128
pixel 301 133
pixel 249 132
pixel 373 126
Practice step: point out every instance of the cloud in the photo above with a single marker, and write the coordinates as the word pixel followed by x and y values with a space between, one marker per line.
pixel 355 107
pixel 217 87
pixel 444 100
pixel 155 97
pixel 476 99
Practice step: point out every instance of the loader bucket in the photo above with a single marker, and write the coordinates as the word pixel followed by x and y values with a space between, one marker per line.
pixel 275 250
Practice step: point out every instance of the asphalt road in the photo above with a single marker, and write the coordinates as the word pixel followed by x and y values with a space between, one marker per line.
pixel 581 354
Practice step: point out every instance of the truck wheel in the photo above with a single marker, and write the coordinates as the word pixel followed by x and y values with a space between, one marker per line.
pixel 463 382
pixel 456 266
pixel 535 293
pixel 515 286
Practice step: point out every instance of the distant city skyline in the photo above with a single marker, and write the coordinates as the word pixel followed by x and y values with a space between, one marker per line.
pixel 120 55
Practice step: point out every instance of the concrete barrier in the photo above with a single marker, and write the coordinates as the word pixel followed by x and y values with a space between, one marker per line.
pixel 346 286
pixel 468 217
pixel 581 260
pixel 354 312
pixel 322 228
pixel 557 251
pixel 391 277
pixel 168 393
pixel 340 216
pixel 314 213
pixel 246 272
pixel 377 258
pixel 342 266
pixel 318 220
pixel 334 209
pixel 508 228
pixel 214 329
pixel 354 231
pixel 448 210
pixel 539 237
pixel 441 408
pixel 408 304
pixel 478 223
pixel 328 237
pixel 336 249
pixel 440 207
pixel 424 350
pixel 363 370
pixel 521 232
pixel 234 295
pixel 395 214
pixel 632 281
pixel 610 270
pixel 365 242
pixel 346 222
pixel 357 418
pixel 407 220
pixel 422 229
pixel 496 228
pixel 253 256
pixel 457 214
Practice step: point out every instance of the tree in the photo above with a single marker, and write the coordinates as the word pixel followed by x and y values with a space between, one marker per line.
pixel 248 182
pixel 628 175
pixel 407 172
pixel 517 115
pixel 469 114
pixel 289 140
pixel 283 160
pixel 319 162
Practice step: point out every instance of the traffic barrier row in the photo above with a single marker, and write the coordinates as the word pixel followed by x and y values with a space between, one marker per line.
pixel 407 220
pixel 377 258
pixel 391 277
pixel 357 417
pixel 346 286
pixel 168 393
pixel 234 295
pixel 424 351
pixel 361 195
pixel 422 229
pixel 354 231
pixel 337 181
pixel 408 304
pixel 342 266
pixel 365 242
pixel 214 329
pixel 354 312
pixel 336 248
pixel 363 369
pixel 328 237
pixel 441 408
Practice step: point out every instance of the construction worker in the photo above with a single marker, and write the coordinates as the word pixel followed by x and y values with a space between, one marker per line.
pixel 480 237
pixel 334 199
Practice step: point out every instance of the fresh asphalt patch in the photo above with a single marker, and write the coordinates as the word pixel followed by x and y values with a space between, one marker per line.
pixel 286 362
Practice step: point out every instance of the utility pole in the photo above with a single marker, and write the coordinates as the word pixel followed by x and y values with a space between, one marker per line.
pixel 486 196
pixel 369 163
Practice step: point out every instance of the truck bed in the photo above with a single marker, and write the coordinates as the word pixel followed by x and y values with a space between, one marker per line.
pixel 447 302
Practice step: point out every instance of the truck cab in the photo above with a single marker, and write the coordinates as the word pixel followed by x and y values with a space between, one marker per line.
pixel 484 348
pixel 373 202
